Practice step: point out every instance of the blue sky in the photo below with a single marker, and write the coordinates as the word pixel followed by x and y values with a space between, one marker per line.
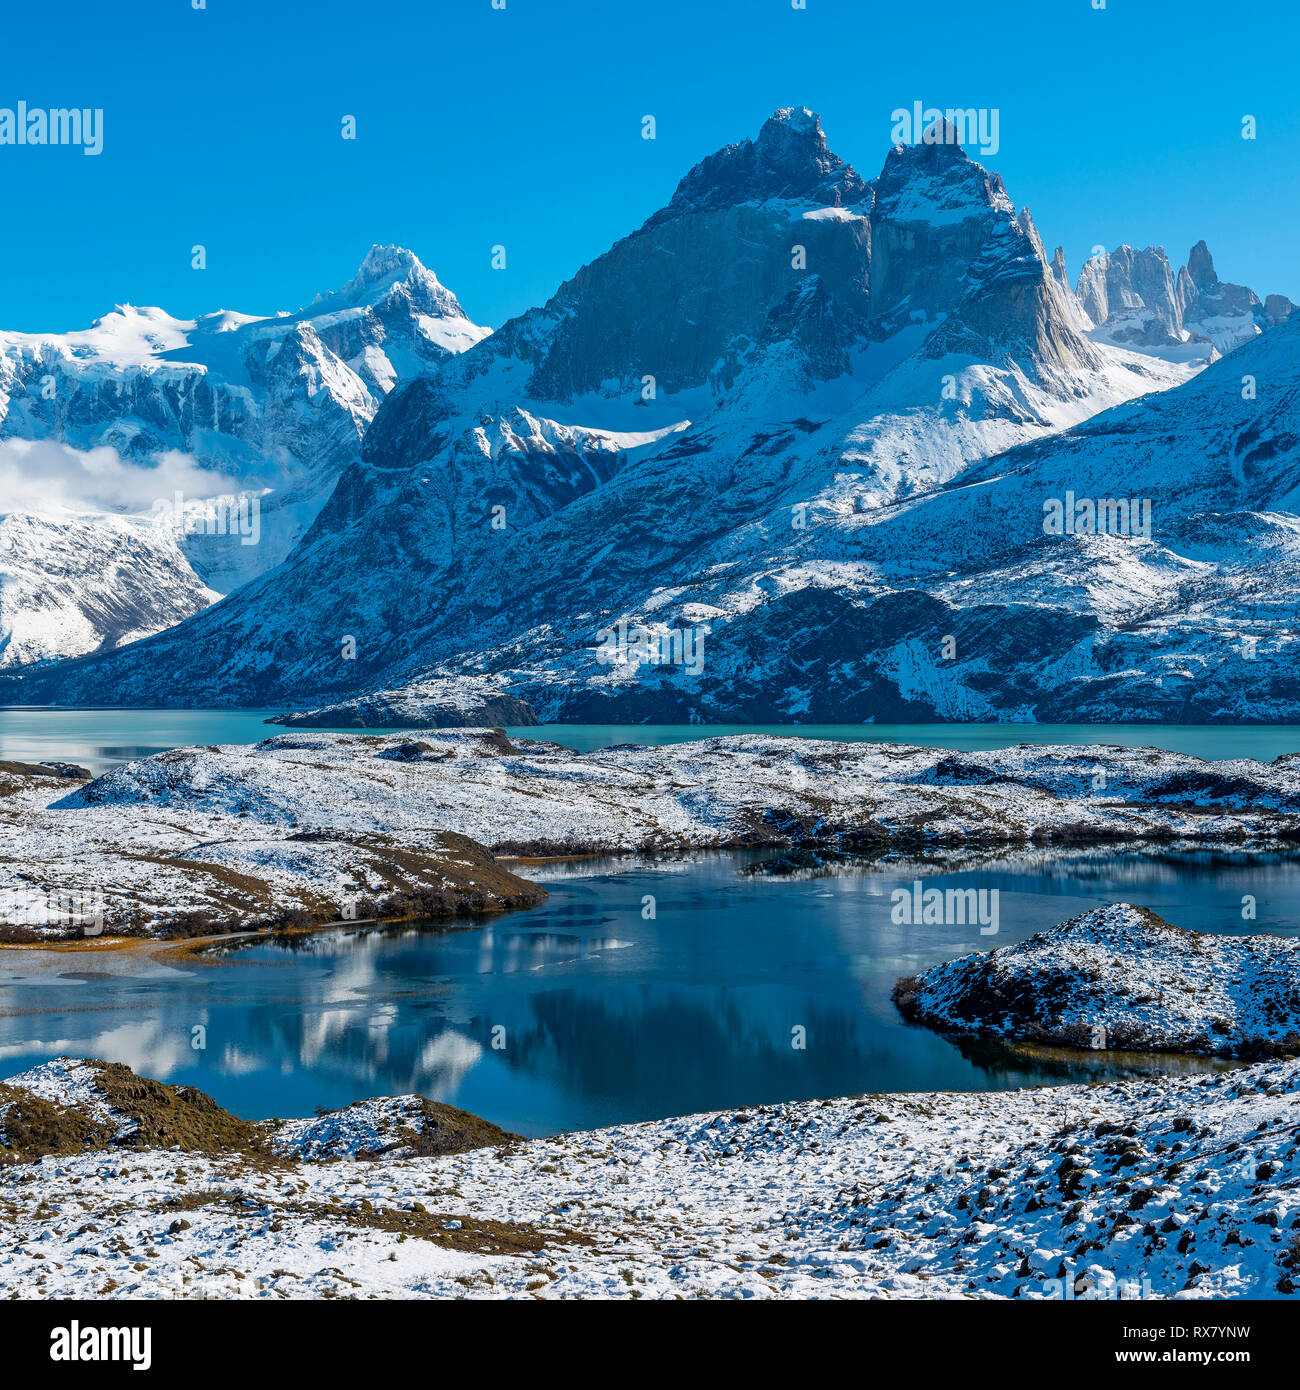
pixel 523 127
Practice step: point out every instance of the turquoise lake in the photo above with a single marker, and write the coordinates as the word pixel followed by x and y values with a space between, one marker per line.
pixel 607 1016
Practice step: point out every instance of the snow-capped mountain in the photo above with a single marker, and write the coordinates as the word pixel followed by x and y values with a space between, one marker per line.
pixel 1135 299
pixel 268 410
pixel 967 601
pixel 275 407
pixel 737 431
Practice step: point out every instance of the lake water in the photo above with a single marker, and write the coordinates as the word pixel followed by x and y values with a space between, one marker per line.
pixel 98 739
pixel 604 1014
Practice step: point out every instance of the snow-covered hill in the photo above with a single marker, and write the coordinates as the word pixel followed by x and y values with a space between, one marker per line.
pixel 263 413
pixel 1152 1188
pixel 1119 977
pixel 317 823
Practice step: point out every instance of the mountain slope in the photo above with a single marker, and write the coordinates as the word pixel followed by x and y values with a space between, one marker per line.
pixel 783 340
pixel 87 584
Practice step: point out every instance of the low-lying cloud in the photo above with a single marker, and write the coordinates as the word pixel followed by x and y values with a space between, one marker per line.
pixel 54 479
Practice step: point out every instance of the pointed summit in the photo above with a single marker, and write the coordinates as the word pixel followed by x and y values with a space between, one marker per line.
pixel 788 160
pixel 408 299
pixel 1229 315
pixel 384 267
pixel 1058 268
pixel 1200 266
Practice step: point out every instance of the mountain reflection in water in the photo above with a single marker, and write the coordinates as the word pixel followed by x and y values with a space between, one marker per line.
pixel 588 1011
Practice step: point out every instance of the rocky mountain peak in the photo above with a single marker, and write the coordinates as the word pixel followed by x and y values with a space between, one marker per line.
pixel 789 159
pixel 792 137
pixel 1200 266
pixel 935 180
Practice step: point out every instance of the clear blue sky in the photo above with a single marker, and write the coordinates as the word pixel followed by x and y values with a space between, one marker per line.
pixel 523 126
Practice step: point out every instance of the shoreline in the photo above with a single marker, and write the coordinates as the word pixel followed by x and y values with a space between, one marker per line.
pixel 308 828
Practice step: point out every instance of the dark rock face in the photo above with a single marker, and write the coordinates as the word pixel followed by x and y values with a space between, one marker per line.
pixel 818 657
pixel 1200 266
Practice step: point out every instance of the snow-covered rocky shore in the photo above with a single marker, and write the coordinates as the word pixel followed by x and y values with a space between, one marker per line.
pixel 79 861
pixel 314 826
pixel 1119 977
pixel 1165 1188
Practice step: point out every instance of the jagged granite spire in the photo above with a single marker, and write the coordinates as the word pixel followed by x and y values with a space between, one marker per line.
pixel 1135 295
pixel 1200 266
pixel 1059 271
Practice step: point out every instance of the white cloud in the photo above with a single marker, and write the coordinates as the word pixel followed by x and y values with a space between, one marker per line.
pixel 54 480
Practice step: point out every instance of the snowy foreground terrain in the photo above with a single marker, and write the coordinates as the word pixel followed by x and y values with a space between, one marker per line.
pixel 310 826
pixel 1172 1188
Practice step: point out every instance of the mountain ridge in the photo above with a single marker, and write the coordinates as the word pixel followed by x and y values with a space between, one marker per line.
pixel 637 448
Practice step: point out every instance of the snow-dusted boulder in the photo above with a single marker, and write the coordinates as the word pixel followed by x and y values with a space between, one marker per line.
pixel 387 1126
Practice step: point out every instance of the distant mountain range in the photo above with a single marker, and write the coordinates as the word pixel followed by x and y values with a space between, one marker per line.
pixel 803 447
pixel 1136 300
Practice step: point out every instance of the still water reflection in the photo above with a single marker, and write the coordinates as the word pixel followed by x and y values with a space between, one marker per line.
pixel 605 1012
